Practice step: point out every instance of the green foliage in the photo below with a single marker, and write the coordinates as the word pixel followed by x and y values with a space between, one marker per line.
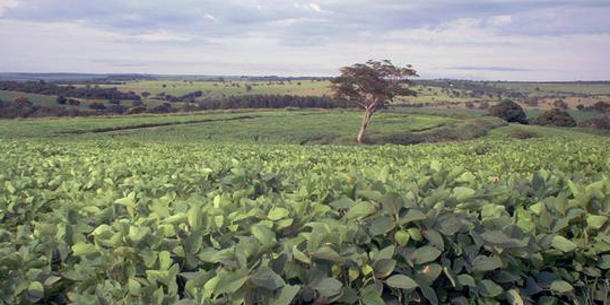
pixel 509 111
pixel 149 222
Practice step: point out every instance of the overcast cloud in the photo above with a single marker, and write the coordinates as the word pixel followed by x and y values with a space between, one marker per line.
pixel 484 39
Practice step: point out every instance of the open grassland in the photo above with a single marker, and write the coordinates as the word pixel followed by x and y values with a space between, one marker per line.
pixel 205 213
pixel 51 100
pixel 218 89
pixel 37 99
pixel 294 127
pixel 550 88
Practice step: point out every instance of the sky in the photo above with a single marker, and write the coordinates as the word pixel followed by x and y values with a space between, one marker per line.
pixel 467 39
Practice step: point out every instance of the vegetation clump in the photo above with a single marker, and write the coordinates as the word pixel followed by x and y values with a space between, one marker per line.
pixel 597 123
pixel 509 111
pixel 555 117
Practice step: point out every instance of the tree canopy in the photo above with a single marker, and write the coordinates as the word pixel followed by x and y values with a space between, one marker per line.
pixel 372 85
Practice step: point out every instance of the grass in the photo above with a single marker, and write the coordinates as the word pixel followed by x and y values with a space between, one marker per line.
pixel 216 89
pixel 270 127
pixel 278 127
pixel 546 88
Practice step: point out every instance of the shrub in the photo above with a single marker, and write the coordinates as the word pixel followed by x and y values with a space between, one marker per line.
pixel 560 104
pixel 484 105
pixel 118 109
pixel 555 117
pixel 600 107
pixel 62 100
pixel 137 103
pixel 114 101
pixel 97 106
pixel 509 111
pixel 73 102
pixel 580 107
pixel 136 110
pixel 597 123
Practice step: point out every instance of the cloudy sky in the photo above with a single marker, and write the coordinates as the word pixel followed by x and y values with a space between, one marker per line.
pixel 475 39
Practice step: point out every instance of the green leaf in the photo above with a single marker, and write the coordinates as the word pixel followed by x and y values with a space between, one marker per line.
pixel 484 263
pixel 265 236
pixel 381 225
pixel 300 256
pixel 424 255
pixel 604 262
pixel 51 280
pixel 392 202
pixel 401 237
pixel 266 278
pixel 286 295
pixel 361 210
pixel 596 222
pixel 165 260
pixel 230 282
pixel 429 294
pixel 369 296
pixel 463 193
pixel 466 280
pixel 329 287
pixel 385 253
pixel 561 287
pixel 83 249
pixel 194 217
pixel 36 290
pixel 401 281
pixel 134 287
pixel 11 189
pixel 412 215
pixel 514 298
pixel 561 243
pixel 383 268
pixel 489 288
pixel 342 203
pixel 277 213
pixel 328 254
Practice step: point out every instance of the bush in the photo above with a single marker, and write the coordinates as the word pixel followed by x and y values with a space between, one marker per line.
pixel 560 104
pixel 484 105
pixel 97 106
pixel 580 107
pixel 118 109
pixel 600 107
pixel 136 110
pixel 509 111
pixel 114 101
pixel 597 123
pixel 137 103
pixel 555 117
pixel 62 100
pixel 73 102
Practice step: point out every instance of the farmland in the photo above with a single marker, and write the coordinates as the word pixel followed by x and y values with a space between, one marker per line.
pixel 233 207
pixel 166 95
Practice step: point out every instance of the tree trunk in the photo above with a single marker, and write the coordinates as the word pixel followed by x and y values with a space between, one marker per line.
pixel 365 122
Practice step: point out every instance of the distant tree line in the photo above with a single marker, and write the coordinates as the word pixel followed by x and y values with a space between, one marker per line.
pixel 22 107
pixel 45 88
pixel 273 101
pixel 189 97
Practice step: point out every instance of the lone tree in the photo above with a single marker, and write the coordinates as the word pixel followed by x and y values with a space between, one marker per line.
pixel 372 85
